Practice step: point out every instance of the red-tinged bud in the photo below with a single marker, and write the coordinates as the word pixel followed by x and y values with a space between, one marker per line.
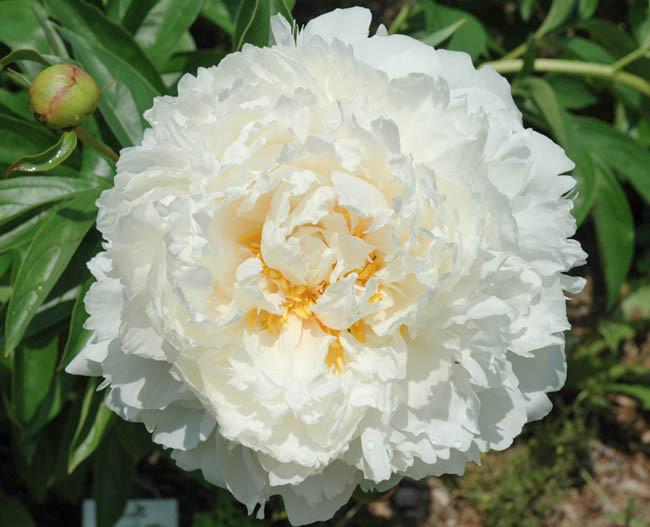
pixel 63 95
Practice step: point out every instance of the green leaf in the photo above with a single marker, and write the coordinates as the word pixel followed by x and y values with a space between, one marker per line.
pixel 72 488
pixel 46 259
pixel 135 14
pixel 587 8
pixel 639 20
pixel 443 34
pixel 186 43
pixel 558 14
pixel 25 54
pixel 572 92
pixel 114 473
pixel 17 103
pixel 614 232
pixel 221 13
pixel 610 36
pixel 638 391
pixel 190 61
pixel 92 425
pixel 587 50
pixel 14 513
pixel 252 23
pixel 5 293
pixel 51 405
pixel 32 374
pixel 25 230
pixel 471 37
pixel 84 445
pixel 49 316
pixel 637 305
pixel 18 78
pixel 627 371
pixel 5 263
pixel 21 138
pixel 615 333
pixel 49 158
pixel 116 9
pixel 20 195
pixel 56 45
pixel 544 96
pixel 641 132
pixel 135 439
pixel 164 26
pixel 128 93
pixel 22 29
pixel 620 152
pixel 77 270
pixel 36 462
pixel 91 24
pixel 78 336
pixel 526 8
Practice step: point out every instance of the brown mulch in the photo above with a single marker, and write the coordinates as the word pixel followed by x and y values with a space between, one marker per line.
pixel 616 493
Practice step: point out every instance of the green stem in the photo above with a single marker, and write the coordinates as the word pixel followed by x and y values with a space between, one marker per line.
pixel 575 67
pixel 598 491
pixel 630 57
pixel 515 53
pixel 401 19
pixel 92 142
pixel 354 510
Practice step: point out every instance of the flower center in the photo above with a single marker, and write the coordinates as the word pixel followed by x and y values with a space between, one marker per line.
pixel 299 298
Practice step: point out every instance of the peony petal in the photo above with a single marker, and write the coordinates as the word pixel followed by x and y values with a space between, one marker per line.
pixel 338 260
pixel 347 25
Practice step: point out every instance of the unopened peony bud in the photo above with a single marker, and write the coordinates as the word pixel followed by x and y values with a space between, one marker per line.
pixel 63 95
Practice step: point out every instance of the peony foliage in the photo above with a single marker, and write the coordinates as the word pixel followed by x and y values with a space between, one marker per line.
pixel 332 254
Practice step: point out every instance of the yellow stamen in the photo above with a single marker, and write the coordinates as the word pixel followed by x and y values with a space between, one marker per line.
pixel 253 240
pixel 299 299
pixel 274 323
pixel 328 330
pixel 335 359
pixel 362 223
pixel 372 265
pixel 361 227
pixel 271 322
pixel 345 213
pixel 358 330
pixel 376 297
pixel 251 318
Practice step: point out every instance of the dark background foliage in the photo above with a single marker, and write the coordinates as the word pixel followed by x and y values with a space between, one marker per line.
pixel 580 73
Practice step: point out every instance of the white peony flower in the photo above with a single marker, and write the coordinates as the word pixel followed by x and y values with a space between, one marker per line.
pixel 332 262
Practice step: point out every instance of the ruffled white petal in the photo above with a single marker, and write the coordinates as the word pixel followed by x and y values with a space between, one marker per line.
pixel 337 261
